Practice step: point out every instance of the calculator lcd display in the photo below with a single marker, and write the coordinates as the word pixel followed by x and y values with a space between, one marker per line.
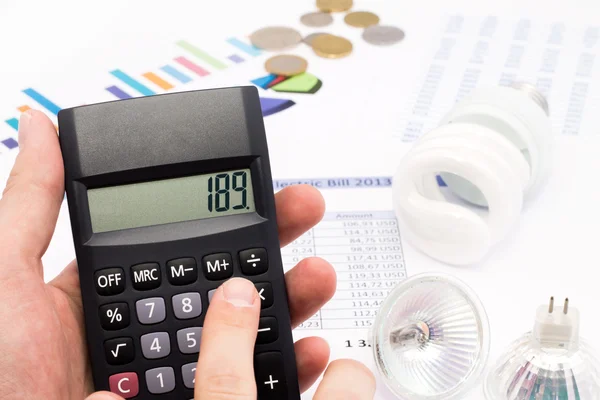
pixel 171 200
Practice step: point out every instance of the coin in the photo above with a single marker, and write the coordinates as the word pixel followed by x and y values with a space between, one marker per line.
pixel 383 35
pixel 275 38
pixel 330 46
pixel 316 19
pixel 334 5
pixel 286 65
pixel 361 19
pixel 310 38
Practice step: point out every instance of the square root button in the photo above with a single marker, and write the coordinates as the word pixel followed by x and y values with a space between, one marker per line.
pixel 254 261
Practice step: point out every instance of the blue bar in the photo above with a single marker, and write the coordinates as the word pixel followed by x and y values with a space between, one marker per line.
pixel 117 92
pixel 14 123
pixel 129 81
pixel 175 73
pixel 10 143
pixel 246 48
pixel 43 101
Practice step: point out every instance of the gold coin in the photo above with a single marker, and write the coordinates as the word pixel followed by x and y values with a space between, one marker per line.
pixel 361 19
pixel 330 46
pixel 334 5
pixel 286 65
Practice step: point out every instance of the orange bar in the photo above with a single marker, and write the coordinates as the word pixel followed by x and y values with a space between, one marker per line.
pixel 24 108
pixel 158 81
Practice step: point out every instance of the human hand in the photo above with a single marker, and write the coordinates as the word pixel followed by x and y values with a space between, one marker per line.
pixel 42 341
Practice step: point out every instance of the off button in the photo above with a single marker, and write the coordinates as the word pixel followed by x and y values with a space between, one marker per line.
pixel 109 281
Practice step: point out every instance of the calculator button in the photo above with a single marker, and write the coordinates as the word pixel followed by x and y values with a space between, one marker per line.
pixel 151 310
pixel 211 293
pixel 187 305
pixel 254 261
pixel 188 340
pixel 265 292
pixel 270 376
pixel 125 384
pixel 268 330
pixel 146 276
pixel 155 345
pixel 217 266
pixel 114 316
pixel 160 380
pixel 119 351
pixel 110 281
pixel 182 271
pixel 188 371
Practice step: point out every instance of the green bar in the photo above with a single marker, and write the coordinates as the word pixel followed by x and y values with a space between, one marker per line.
pixel 201 54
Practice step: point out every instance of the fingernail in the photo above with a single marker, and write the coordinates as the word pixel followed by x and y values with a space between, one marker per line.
pixel 24 130
pixel 239 292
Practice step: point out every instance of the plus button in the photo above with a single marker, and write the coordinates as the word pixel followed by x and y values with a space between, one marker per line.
pixel 271 382
pixel 269 371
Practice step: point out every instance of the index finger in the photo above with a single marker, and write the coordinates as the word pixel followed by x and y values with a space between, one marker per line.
pixel 299 208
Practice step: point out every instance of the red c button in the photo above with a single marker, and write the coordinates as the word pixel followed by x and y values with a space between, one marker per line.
pixel 125 385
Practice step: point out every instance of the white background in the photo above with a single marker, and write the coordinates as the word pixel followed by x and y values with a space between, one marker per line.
pixel 65 48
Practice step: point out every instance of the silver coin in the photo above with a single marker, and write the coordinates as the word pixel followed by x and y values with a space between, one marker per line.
pixel 317 19
pixel 276 38
pixel 309 39
pixel 382 35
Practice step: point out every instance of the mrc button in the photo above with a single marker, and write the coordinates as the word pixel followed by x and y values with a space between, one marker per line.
pixel 146 276
pixel 109 281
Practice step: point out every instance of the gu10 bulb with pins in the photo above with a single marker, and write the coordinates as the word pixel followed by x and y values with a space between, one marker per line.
pixel 431 338
pixel 551 362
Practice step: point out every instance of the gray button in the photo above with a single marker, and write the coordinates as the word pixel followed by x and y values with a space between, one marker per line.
pixel 151 311
pixel 211 293
pixel 188 340
pixel 187 305
pixel 188 371
pixel 156 345
pixel 160 380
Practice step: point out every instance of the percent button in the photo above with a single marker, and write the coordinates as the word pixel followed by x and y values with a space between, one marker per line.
pixel 114 316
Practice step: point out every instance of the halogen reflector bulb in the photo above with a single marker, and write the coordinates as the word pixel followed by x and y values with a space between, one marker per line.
pixel 551 362
pixel 431 338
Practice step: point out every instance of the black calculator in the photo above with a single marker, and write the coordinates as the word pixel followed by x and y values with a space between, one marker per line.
pixel 169 196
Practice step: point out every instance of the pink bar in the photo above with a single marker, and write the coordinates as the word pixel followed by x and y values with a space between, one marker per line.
pixel 191 66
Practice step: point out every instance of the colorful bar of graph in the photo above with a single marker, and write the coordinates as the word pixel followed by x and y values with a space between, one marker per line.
pixel 117 92
pixel 42 100
pixel 13 123
pixel 175 73
pixel 129 81
pixel 236 59
pixel 201 54
pixel 10 143
pixel 158 81
pixel 191 66
pixel 23 108
pixel 246 48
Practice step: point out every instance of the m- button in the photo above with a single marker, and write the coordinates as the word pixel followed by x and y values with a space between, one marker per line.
pixel 217 266
pixel 182 271
pixel 109 281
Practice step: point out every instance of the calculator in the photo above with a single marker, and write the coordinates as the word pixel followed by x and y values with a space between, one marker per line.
pixel 169 196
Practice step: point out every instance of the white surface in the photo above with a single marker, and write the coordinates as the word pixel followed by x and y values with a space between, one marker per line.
pixel 66 48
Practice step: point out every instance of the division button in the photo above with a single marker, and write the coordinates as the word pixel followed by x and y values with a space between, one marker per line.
pixel 146 276
pixel 188 371
pixel 270 376
pixel 182 271
pixel 268 330
pixel 119 351
pixel 187 305
pixel 217 266
pixel 160 380
pixel 155 345
pixel 110 281
pixel 254 261
pixel 151 310
pixel 265 292
pixel 125 384
pixel 114 316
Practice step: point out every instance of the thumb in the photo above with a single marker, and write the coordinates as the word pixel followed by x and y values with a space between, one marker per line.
pixel 34 192
pixel 225 369
pixel 104 396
